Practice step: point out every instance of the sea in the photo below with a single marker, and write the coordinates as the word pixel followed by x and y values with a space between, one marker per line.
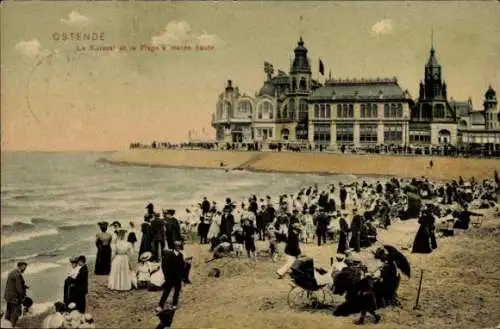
pixel 51 204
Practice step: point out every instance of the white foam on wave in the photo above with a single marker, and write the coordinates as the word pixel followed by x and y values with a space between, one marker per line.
pixel 27 236
pixel 34 268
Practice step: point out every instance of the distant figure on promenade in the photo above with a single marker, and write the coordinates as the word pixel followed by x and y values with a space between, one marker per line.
pixel 103 244
pixel 431 164
pixel 15 292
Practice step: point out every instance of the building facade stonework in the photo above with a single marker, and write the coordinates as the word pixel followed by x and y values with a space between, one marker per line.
pixel 294 108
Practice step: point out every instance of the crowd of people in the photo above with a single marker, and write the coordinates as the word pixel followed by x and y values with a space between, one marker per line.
pixel 348 214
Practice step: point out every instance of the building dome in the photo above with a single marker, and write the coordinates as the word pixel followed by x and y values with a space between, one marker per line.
pixel 268 89
pixel 490 94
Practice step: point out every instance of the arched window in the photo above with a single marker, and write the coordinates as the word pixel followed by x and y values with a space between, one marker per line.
pixel 350 111
pixel 284 134
pixel 328 111
pixel 399 110
pixel 302 85
pixel 363 111
pixel 285 112
pixel 463 124
pixel 339 111
pixel 387 112
pixel 245 107
pixel 294 84
pixel 302 109
pixel 316 111
pixel 265 110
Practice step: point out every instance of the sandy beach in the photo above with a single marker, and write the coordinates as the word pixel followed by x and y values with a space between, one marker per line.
pixel 460 289
pixel 445 168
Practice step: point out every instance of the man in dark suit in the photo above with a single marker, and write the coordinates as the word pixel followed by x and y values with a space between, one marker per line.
pixel 173 267
pixel 158 236
pixel 15 292
pixel 227 221
pixel 81 285
pixel 172 228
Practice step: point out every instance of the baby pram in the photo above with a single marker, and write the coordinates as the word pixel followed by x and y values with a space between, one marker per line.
pixel 305 292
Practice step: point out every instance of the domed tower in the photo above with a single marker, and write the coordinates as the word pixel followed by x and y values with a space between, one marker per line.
pixel 491 114
pixel 300 72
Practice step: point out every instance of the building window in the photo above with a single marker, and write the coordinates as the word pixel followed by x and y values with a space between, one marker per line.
pixel 322 134
pixel 420 136
pixel 265 110
pixel 426 111
pixel 439 111
pixel 302 109
pixel 245 107
pixel 345 110
pixel 291 109
pixel 323 111
pixel 302 85
pixel 345 133
pixel 393 134
pixel 228 110
pixel 369 111
pixel 368 133
pixel 393 110
pixel 219 112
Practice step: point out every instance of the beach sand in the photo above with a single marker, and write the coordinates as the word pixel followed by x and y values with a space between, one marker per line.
pixel 445 168
pixel 461 289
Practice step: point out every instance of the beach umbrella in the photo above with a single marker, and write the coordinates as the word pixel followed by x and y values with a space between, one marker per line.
pixel 401 261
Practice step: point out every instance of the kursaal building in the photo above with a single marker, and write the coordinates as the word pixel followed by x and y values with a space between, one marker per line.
pixel 295 108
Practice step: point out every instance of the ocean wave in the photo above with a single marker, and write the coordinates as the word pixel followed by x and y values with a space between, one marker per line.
pixel 34 268
pixel 27 236
pixel 75 226
pixel 18 226
pixel 48 253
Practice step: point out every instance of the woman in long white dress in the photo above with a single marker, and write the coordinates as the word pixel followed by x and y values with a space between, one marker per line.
pixel 120 277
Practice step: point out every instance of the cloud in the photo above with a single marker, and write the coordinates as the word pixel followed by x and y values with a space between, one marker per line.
pixel 382 27
pixel 32 48
pixel 75 19
pixel 179 32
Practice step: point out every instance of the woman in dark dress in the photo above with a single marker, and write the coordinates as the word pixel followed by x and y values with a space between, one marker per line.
pixel 103 244
pixel 146 242
pixel 132 238
pixel 422 243
pixel 344 231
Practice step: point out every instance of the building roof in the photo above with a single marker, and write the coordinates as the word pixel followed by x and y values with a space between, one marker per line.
pixel 461 108
pixel 268 89
pixel 477 118
pixel 360 89
pixel 432 59
pixel 300 62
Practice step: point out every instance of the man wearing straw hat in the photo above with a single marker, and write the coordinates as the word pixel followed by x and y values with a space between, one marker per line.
pixel 173 267
pixel 356 225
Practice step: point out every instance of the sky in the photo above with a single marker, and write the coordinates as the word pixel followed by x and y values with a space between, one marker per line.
pixel 61 95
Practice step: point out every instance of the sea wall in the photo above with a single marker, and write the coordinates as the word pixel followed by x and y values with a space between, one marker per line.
pixel 322 163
